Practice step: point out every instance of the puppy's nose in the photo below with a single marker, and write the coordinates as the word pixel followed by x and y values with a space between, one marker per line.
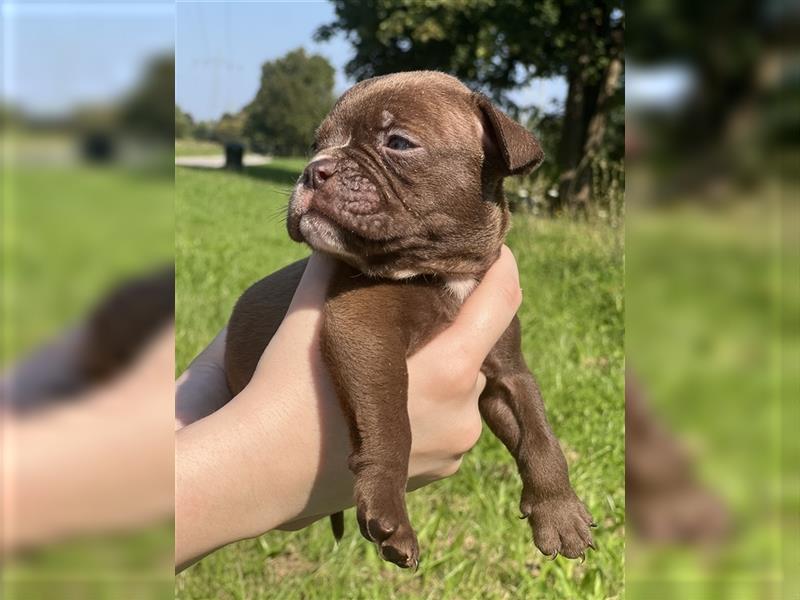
pixel 318 172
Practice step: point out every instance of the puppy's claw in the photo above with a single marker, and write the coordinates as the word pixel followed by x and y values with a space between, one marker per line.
pixel 593 524
pixel 583 557
pixel 592 546
pixel 553 556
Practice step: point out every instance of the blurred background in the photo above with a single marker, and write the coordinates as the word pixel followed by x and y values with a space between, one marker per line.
pixel 253 81
pixel 87 350
pixel 712 136
pixel 705 113
pixel 264 77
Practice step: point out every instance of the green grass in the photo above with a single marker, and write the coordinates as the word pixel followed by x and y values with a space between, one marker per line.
pixel 230 232
pixel 712 334
pixel 69 234
pixel 192 147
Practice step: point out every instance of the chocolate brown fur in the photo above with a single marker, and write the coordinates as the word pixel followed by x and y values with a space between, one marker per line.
pixel 405 218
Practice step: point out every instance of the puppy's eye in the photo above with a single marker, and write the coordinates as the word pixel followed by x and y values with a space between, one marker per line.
pixel 398 142
pixel 314 148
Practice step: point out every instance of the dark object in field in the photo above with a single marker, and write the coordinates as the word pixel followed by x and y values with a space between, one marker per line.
pixel 102 346
pixel 234 156
pixel 664 501
pixel 406 189
pixel 98 147
pixel 121 325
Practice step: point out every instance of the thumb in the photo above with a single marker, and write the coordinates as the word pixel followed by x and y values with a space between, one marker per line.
pixel 486 313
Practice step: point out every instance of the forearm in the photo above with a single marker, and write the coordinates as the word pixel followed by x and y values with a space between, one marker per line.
pixel 202 388
pixel 82 468
pixel 276 455
pixel 222 484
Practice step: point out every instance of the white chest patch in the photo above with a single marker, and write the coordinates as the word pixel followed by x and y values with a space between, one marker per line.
pixel 460 288
pixel 403 274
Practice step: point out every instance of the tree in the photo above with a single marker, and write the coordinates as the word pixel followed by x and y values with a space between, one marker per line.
pixel 230 127
pixel 725 48
pixel 296 93
pixel 204 130
pixel 184 123
pixel 500 46
pixel 149 109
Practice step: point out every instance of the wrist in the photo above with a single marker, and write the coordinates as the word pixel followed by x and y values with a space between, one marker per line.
pixel 240 472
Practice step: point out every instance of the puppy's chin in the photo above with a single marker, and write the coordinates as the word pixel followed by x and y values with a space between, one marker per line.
pixel 323 235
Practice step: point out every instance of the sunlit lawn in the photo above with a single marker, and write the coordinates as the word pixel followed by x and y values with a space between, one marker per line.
pixel 192 147
pixel 230 232
pixel 71 233
pixel 712 336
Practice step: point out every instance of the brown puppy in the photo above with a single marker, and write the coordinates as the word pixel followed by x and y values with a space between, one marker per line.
pixel 406 189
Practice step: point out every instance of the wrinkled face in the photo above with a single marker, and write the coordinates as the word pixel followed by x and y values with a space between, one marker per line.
pixel 398 185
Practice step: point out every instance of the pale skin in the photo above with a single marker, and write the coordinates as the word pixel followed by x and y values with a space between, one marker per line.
pixel 95 463
pixel 275 456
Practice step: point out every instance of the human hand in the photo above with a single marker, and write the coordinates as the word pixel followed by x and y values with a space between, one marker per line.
pixel 276 455
pixel 99 461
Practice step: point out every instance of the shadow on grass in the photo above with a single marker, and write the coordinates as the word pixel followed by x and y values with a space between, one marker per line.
pixel 275 172
pixel 281 174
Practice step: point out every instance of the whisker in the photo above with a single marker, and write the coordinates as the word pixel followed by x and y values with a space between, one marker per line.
pixel 276 214
pixel 281 190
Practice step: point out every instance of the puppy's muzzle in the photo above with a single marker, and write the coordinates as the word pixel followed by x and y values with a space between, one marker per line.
pixel 318 172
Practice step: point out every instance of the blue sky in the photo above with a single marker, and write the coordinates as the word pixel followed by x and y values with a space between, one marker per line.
pixel 660 87
pixel 221 46
pixel 60 54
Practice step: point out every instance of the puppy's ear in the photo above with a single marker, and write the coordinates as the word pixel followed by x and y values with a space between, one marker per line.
pixel 517 148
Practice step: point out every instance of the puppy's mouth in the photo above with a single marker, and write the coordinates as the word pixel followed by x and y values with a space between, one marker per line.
pixel 342 222
pixel 324 234
pixel 348 217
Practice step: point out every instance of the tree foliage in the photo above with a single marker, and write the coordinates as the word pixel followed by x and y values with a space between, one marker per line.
pixel 295 94
pixel 499 46
pixel 148 109
pixel 721 43
pixel 230 127
pixel 184 123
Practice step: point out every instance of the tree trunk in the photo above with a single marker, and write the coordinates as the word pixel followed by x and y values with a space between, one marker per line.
pixel 588 99
pixel 570 145
pixel 595 132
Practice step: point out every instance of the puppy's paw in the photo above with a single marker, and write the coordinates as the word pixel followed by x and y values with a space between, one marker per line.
pixel 688 514
pixel 383 520
pixel 401 548
pixel 561 525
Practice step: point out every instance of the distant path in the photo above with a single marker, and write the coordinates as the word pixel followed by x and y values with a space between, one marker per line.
pixel 216 162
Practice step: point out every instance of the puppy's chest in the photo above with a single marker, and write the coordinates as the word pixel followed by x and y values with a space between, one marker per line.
pixel 438 311
pixel 413 310
pixel 459 288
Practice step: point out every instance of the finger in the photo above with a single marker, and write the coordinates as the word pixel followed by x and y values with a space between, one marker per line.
pixel 313 286
pixel 202 389
pixel 301 325
pixel 480 385
pixel 215 351
pixel 486 313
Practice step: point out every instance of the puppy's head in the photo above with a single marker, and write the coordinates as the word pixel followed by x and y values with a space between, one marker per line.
pixel 407 178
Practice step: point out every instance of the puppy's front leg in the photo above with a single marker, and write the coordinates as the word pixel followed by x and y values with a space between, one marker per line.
pixel 512 407
pixel 367 364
